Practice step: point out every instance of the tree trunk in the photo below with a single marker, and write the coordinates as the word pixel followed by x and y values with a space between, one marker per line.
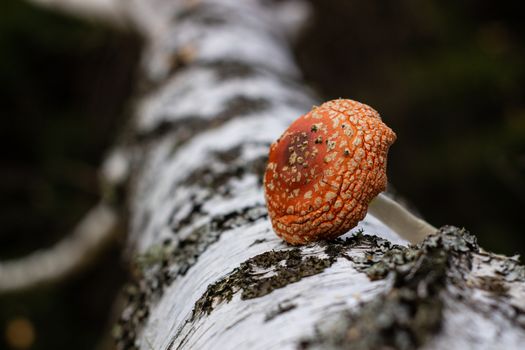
pixel 210 273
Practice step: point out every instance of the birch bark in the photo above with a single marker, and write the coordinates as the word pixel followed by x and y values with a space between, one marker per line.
pixel 213 274
pixel 210 274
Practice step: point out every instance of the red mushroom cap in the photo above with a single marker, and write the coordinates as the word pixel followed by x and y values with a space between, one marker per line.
pixel 325 169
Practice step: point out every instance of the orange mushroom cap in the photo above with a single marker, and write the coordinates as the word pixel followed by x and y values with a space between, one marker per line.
pixel 325 169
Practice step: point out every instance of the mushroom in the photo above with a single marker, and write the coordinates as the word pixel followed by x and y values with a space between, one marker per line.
pixel 328 169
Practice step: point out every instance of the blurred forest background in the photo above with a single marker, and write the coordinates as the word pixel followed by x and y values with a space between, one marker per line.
pixel 447 76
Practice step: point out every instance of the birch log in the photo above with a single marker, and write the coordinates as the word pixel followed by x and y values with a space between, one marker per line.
pixel 210 273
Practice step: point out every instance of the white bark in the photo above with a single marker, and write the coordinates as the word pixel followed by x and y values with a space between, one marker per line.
pixel 196 221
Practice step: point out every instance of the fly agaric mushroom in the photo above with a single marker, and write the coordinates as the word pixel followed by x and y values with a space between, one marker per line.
pixel 327 170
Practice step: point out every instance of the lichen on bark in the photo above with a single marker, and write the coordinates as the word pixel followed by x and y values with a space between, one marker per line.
pixel 266 272
pixel 200 140
pixel 411 311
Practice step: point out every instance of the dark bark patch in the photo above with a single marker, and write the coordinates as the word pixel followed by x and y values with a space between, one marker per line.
pixel 204 15
pixel 161 265
pixel 189 249
pixel 281 309
pixel 231 69
pixel 243 105
pixel 192 214
pixel 286 267
pixel 133 316
pixel 411 312
pixel 510 270
pixel 215 176
pixel 233 324
pixel 184 128
pixel 492 284
pixel 258 241
pixel 207 176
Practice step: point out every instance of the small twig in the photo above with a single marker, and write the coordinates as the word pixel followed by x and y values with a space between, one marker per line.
pixel 107 10
pixel 92 234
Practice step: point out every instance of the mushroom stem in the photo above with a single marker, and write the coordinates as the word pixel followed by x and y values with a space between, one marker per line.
pixel 399 219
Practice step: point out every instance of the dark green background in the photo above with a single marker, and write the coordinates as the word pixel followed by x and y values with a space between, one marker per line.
pixel 63 91
pixel 447 76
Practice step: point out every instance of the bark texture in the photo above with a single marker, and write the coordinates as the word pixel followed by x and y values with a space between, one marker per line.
pixel 222 85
